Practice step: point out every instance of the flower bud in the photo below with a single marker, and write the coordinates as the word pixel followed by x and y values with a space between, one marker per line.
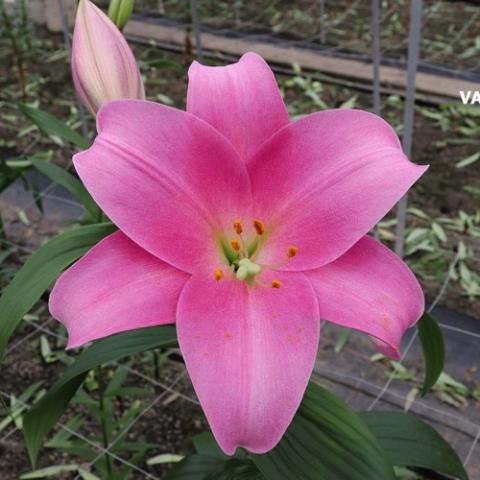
pixel 119 11
pixel 103 66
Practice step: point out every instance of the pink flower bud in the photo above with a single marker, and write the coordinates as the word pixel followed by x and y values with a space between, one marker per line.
pixel 103 66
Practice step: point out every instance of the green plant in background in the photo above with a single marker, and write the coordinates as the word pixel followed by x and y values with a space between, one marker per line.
pixel 98 388
pixel 16 28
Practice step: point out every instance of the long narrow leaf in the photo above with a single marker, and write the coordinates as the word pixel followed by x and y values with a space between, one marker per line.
pixel 409 442
pixel 68 181
pixel 40 270
pixel 433 347
pixel 326 439
pixel 51 125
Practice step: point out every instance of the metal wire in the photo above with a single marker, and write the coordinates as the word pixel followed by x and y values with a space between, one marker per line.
pixel 132 423
pixel 196 30
pixel 89 442
pixel 437 299
pixel 413 54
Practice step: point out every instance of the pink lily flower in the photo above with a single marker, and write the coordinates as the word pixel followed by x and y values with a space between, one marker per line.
pixel 103 66
pixel 244 229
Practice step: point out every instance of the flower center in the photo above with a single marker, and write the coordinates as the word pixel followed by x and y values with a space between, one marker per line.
pixel 240 252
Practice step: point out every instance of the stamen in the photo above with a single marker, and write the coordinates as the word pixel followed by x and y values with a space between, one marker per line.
pixel 259 227
pixel 276 283
pixel 235 245
pixel 292 251
pixel 238 227
pixel 218 274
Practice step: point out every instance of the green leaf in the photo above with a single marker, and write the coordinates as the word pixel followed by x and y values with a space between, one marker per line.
pixel 326 439
pixel 44 415
pixel 165 458
pixel 343 338
pixel 195 467
pixel 68 181
pixel 203 467
pixel 468 160
pixel 433 347
pixel 205 444
pixel 40 270
pixel 51 125
pixel 85 475
pixel 409 442
pixel 163 63
pixel 50 471
pixel 439 232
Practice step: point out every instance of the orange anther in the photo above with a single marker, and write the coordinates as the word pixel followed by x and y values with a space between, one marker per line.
pixel 292 251
pixel 276 283
pixel 238 227
pixel 259 227
pixel 235 245
pixel 218 274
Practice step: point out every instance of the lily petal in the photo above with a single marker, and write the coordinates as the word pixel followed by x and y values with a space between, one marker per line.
pixel 241 100
pixel 116 286
pixel 249 352
pixel 323 182
pixel 370 289
pixel 166 178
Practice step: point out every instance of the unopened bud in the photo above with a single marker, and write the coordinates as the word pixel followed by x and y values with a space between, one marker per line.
pixel 103 66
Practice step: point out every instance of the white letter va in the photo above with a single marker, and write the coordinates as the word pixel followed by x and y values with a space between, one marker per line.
pixel 470 97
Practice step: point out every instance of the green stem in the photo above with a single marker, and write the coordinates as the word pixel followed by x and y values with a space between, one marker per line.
pixel 105 439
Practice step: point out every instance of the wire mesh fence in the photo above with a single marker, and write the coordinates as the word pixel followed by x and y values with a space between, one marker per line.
pixel 449 39
pixel 337 28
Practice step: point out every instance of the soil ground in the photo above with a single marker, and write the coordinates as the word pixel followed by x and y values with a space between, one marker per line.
pixel 172 421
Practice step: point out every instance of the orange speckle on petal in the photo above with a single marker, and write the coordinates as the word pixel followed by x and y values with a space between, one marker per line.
pixel 228 335
pixel 238 227
pixel 276 283
pixel 292 251
pixel 235 245
pixel 386 322
pixel 293 339
pixel 218 274
pixel 259 227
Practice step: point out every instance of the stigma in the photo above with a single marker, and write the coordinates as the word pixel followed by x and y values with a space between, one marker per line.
pixel 247 269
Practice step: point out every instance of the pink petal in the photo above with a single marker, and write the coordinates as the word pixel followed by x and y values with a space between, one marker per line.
pixel 249 352
pixel 324 181
pixel 241 100
pixel 116 286
pixel 372 290
pixel 103 66
pixel 166 178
